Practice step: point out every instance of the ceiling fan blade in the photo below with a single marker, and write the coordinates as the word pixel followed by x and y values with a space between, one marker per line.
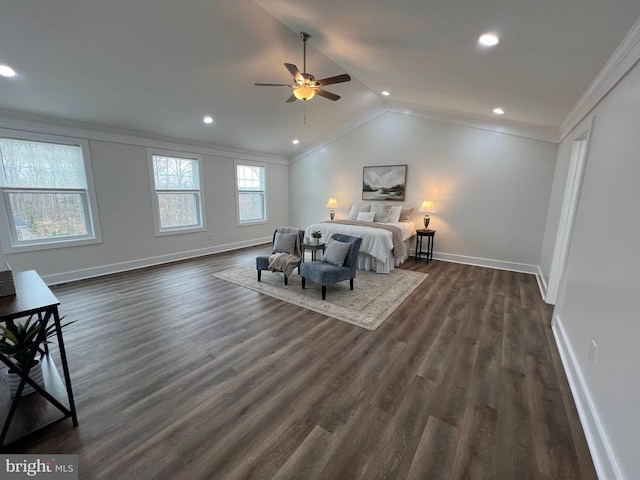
pixel 325 94
pixel 273 85
pixel 331 80
pixel 294 71
pixel 291 99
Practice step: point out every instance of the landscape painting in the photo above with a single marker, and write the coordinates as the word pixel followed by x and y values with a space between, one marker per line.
pixel 385 182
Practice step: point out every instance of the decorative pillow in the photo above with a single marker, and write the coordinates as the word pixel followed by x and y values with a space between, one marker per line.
pixel 357 208
pixel 394 214
pixel 381 212
pixel 284 243
pixel 336 253
pixel 405 216
pixel 365 217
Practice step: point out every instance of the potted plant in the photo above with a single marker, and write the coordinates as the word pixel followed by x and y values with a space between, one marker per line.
pixel 17 341
pixel 316 235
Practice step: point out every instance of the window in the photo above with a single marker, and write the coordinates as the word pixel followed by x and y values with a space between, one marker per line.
pixel 47 192
pixel 251 194
pixel 176 193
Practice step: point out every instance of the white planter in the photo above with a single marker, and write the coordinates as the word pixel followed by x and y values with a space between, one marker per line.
pixel 13 379
pixel 315 241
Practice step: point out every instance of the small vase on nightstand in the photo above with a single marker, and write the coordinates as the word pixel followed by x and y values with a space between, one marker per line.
pixel 314 240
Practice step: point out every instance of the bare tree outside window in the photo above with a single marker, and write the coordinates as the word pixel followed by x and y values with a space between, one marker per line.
pixel 44 186
pixel 250 184
pixel 177 189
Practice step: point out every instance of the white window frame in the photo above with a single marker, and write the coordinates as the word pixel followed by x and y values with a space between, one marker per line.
pixel 159 232
pixel 245 223
pixel 8 236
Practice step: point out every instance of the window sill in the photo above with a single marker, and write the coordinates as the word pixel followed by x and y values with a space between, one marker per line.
pixel 179 231
pixel 32 247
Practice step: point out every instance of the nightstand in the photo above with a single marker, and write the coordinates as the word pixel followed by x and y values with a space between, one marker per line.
pixel 428 253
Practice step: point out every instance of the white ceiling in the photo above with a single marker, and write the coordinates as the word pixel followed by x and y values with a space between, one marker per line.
pixel 159 66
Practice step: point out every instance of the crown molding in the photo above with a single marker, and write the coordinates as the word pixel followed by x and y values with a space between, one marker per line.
pixel 56 126
pixel 482 122
pixel 621 61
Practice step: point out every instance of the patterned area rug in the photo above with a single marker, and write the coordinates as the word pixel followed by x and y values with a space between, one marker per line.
pixel 374 297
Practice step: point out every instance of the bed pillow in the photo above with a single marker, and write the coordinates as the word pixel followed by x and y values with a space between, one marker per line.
pixel 284 243
pixel 365 217
pixel 381 213
pixel 405 216
pixel 357 208
pixel 394 214
pixel 336 253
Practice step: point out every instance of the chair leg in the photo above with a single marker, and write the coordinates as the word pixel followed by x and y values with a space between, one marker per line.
pixel 351 283
pixel 259 275
pixel 324 292
pixel 286 279
pixel 303 283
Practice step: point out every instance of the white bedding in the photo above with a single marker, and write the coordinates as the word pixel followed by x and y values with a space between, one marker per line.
pixel 376 242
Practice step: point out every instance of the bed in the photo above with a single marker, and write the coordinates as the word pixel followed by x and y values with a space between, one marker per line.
pixel 377 252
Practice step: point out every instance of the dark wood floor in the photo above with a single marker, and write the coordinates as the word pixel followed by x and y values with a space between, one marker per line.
pixel 178 374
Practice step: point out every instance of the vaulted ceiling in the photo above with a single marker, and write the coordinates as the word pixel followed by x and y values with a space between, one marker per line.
pixel 158 67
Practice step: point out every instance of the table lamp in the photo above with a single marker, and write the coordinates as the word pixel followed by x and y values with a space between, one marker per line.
pixel 427 207
pixel 332 204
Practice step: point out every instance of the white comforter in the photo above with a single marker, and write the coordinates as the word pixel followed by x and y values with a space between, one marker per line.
pixel 376 242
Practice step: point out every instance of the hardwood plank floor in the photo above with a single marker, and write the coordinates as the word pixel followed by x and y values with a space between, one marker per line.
pixel 178 374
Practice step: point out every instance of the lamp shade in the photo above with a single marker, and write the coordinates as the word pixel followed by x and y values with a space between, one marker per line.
pixel 332 203
pixel 427 207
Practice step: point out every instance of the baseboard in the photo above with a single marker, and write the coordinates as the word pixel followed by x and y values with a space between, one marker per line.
pixel 75 275
pixel 542 283
pixel 486 262
pixel 603 458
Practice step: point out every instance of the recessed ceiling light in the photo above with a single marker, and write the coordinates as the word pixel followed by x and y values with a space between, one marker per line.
pixel 7 71
pixel 385 93
pixel 296 141
pixel 488 39
pixel 498 111
pixel 207 119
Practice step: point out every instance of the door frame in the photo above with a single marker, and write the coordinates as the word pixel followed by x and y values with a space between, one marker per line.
pixel 579 152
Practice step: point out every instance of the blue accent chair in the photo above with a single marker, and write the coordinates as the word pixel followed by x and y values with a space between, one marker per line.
pixel 324 273
pixel 262 261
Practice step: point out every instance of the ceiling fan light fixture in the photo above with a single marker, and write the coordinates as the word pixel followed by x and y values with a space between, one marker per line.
pixel 304 92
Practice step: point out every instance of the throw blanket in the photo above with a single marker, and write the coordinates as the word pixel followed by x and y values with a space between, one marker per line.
pixel 399 249
pixel 286 262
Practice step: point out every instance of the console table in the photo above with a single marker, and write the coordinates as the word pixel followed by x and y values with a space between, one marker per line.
pixel 428 253
pixel 24 415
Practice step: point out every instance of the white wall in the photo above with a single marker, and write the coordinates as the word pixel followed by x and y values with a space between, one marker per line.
pixel 599 299
pixel 491 189
pixel 126 216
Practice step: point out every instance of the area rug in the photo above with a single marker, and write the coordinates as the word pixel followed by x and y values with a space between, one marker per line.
pixel 374 298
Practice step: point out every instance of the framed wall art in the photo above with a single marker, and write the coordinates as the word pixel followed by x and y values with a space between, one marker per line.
pixel 384 182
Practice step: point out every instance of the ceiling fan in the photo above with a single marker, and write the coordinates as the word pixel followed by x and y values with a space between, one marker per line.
pixel 305 85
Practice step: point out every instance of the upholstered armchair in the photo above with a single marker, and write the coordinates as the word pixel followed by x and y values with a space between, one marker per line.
pixel 334 267
pixel 281 245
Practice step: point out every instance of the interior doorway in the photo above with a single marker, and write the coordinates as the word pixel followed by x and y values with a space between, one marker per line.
pixel 567 214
